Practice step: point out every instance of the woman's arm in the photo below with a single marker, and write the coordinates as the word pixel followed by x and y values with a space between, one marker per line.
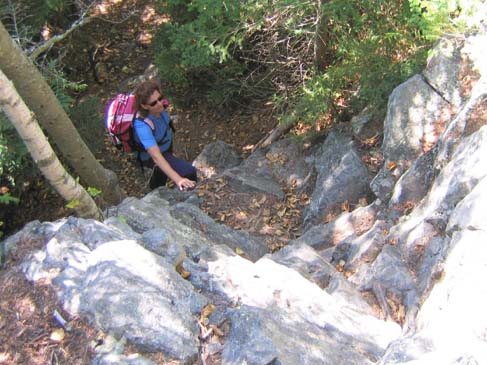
pixel 181 182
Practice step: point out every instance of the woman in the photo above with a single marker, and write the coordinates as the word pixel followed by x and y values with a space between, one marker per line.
pixel 153 132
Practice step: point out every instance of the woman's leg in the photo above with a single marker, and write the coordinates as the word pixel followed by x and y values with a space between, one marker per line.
pixel 183 168
pixel 157 179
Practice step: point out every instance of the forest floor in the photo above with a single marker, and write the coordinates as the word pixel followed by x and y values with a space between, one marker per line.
pixel 102 54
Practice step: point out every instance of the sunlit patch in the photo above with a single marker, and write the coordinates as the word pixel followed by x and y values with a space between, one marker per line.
pixel 150 15
pixel 25 307
pixel 267 229
pixel 104 7
pixel 241 215
pixel 46 32
pixel 4 357
pixel 144 37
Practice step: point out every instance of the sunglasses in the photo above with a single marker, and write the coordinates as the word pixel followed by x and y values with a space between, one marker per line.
pixel 159 99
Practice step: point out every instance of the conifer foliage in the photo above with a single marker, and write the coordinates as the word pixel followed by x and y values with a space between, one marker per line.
pixel 313 56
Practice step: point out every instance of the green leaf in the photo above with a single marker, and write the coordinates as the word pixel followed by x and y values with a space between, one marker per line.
pixel 73 204
pixel 94 192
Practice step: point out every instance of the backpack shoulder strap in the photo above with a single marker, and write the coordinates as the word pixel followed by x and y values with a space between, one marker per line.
pixel 150 123
pixel 147 121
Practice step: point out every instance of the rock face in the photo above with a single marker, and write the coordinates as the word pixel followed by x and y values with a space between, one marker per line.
pixel 397 281
pixel 216 158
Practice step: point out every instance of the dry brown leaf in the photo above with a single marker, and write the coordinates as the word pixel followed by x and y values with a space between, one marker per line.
pixel 57 335
pixel 239 252
pixel 282 212
pixel 207 311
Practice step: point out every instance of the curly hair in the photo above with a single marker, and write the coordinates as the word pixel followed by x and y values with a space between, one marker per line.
pixel 142 94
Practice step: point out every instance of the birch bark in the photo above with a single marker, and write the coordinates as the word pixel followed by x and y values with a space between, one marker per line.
pixel 42 153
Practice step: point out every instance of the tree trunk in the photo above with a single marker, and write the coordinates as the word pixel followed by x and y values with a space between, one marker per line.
pixel 39 97
pixel 42 153
pixel 322 54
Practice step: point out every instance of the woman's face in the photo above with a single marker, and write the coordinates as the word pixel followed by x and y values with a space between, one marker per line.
pixel 154 103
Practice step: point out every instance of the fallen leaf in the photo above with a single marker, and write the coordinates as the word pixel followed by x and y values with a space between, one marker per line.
pixel 239 252
pixel 57 335
pixel 207 311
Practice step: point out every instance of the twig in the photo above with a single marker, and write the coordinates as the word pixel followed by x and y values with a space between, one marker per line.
pixel 274 135
pixel 44 47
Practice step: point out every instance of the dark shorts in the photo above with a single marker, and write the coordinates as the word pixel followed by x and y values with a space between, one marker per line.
pixel 159 178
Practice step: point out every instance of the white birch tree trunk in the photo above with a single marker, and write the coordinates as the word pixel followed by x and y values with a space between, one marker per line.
pixel 41 151
pixel 38 96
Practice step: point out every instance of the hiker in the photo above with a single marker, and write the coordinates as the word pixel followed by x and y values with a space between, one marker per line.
pixel 158 142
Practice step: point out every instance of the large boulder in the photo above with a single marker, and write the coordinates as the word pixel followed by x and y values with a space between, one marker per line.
pixel 215 158
pixel 341 177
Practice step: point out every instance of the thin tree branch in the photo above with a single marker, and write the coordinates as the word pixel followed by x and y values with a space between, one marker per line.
pixel 38 50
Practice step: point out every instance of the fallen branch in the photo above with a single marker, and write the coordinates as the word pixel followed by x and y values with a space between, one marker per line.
pixel 274 135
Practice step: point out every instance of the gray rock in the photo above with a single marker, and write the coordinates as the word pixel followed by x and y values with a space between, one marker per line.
pixel 457 128
pixel 248 342
pixel 362 249
pixel 287 303
pixel 469 212
pixel 359 121
pixel 345 226
pixel 157 241
pixel 413 114
pixel 451 324
pixel 140 215
pixel 215 158
pixel 133 293
pixel 284 161
pixel 453 57
pixel 305 260
pixel 388 277
pixel 424 266
pixel 114 359
pixel 456 180
pixel 252 247
pixel 173 195
pixel 34 230
pixel 348 294
pixel 414 184
pixel 283 164
pixel 248 182
pixel 122 227
pixel 341 177
pixel 153 213
pixel 442 71
pixel 415 117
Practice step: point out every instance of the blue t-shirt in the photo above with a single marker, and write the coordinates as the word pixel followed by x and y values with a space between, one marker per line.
pixel 148 138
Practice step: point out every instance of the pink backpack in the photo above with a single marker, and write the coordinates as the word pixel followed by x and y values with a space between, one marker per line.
pixel 120 113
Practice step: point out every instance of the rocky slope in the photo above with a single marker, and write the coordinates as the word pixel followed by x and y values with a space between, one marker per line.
pixel 394 281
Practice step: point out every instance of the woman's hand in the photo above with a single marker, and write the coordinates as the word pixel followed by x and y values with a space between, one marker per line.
pixel 185 184
pixel 181 182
